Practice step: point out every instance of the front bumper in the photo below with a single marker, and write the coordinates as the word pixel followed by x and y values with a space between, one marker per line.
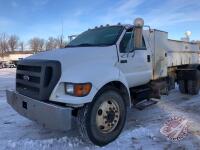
pixel 49 115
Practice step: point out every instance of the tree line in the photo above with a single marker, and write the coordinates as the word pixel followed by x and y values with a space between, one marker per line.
pixel 11 43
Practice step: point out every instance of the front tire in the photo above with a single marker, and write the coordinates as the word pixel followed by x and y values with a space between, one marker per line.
pixel 101 121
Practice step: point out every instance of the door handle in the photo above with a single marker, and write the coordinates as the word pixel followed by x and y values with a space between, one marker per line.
pixel 123 61
pixel 148 58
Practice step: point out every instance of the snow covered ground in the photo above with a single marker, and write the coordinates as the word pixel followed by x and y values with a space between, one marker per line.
pixel 142 130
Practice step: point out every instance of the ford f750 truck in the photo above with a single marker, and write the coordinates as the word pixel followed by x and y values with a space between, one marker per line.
pixel 99 74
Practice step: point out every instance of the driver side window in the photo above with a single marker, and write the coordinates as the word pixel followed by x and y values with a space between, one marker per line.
pixel 126 43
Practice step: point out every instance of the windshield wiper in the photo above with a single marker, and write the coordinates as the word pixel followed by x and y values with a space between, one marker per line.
pixel 79 45
pixel 85 44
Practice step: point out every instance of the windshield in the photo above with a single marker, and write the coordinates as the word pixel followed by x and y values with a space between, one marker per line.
pixel 98 37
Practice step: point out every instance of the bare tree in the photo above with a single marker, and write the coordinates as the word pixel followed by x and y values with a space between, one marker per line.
pixel 3 43
pixel 52 43
pixel 21 46
pixel 36 44
pixel 13 42
pixel 41 44
pixel 60 41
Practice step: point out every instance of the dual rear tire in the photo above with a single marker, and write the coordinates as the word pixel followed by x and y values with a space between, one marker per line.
pixel 191 87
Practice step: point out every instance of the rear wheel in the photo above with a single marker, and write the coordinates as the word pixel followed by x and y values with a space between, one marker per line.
pixel 102 121
pixel 193 87
pixel 183 86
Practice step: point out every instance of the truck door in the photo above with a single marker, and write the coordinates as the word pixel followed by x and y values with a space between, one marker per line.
pixel 135 64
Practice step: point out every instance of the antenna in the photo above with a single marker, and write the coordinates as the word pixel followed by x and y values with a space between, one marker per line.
pixel 62 27
pixel 61 37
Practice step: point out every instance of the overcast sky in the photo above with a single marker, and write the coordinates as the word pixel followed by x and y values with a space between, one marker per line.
pixel 44 18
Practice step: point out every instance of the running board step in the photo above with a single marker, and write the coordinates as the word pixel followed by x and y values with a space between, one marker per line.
pixel 145 103
pixel 141 94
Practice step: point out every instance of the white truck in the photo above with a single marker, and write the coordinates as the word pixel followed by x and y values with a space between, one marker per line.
pixel 99 74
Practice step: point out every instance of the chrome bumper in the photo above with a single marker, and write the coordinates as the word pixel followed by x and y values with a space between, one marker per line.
pixel 49 115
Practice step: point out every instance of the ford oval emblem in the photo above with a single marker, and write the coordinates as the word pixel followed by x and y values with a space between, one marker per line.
pixel 25 77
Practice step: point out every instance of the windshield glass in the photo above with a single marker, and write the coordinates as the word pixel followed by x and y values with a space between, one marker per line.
pixel 98 37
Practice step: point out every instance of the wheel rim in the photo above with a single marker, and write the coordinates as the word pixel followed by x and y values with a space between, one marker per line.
pixel 107 116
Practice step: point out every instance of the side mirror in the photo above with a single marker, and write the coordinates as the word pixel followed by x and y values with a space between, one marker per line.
pixel 138 29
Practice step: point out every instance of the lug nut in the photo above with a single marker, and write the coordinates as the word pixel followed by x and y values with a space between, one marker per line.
pixel 100 112
pixel 101 127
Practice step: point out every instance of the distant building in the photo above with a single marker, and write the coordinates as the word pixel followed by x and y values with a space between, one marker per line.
pixel 198 44
pixel 15 56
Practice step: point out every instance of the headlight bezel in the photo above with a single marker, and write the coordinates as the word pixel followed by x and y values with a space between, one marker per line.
pixel 77 89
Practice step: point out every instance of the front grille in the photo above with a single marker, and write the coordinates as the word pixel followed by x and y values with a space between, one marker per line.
pixel 37 78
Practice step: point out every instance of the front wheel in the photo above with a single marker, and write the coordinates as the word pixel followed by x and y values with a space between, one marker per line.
pixel 102 121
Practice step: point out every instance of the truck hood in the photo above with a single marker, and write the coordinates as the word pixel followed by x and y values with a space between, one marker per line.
pixel 69 57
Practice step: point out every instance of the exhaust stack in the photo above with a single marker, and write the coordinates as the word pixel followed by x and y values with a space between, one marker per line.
pixel 138 23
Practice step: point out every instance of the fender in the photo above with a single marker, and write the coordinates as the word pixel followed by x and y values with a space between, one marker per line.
pixel 99 73
pixel 122 80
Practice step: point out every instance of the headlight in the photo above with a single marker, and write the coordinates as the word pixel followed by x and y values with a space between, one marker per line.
pixel 78 89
